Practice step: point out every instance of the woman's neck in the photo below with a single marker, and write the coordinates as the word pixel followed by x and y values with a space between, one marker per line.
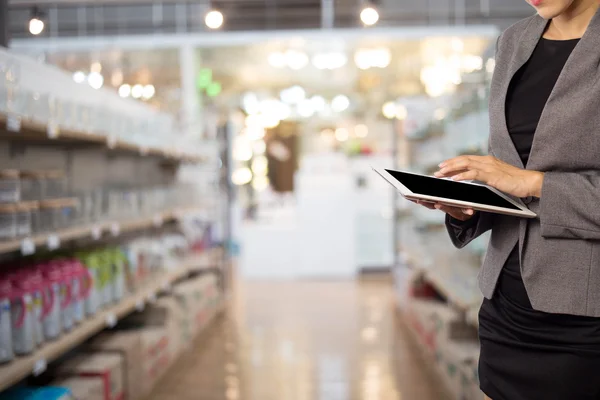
pixel 572 23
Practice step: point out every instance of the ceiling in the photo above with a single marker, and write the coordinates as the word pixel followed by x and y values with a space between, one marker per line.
pixel 77 18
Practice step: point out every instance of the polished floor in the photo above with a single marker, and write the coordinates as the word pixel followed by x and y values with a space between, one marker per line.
pixel 304 341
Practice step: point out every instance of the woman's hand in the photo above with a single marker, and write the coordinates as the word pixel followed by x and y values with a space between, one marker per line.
pixel 461 214
pixel 493 172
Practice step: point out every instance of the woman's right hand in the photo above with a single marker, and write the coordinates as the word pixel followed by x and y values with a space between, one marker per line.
pixel 462 214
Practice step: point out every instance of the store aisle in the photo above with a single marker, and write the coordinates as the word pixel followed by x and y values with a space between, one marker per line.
pixel 304 341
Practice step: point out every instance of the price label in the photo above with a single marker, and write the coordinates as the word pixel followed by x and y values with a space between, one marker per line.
pixel 13 124
pixel 53 242
pixel 111 320
pixel 115 229
pixel 96 233
pixel 158 221
pixel 52 130
pixel 27 247
pixel 152 298
pixel 40 367
pixel 140 305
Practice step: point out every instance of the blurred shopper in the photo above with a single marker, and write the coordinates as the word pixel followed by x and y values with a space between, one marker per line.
pixel 539 322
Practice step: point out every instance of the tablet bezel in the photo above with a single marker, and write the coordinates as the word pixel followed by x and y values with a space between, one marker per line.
pixel 408 194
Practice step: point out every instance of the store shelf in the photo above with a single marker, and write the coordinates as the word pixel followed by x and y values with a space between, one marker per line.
pixel 35 364
pixel 473 316
pixel 53 240
pixel 41 134
pixel 456 287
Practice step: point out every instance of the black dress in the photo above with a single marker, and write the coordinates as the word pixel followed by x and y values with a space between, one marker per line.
pixel 528 354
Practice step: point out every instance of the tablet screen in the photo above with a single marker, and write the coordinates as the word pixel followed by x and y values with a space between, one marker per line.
pixel 430 186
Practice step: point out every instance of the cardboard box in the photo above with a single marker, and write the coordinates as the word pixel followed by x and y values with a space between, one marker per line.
pixel 129 346
pixel 107 367
pixel 83 388
pixel 157 356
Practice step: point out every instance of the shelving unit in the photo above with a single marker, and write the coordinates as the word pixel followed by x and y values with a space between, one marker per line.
pixel 94 231
pixel 40 134
pixel 36 363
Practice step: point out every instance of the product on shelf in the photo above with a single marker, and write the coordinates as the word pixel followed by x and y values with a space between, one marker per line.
pixel 106 368
pixel 26 212
pixel 10 188
pixel 8 221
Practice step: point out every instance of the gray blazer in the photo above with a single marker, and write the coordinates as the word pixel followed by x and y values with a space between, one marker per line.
pixel 560 249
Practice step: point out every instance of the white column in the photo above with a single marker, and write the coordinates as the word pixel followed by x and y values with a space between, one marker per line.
pixel 191 101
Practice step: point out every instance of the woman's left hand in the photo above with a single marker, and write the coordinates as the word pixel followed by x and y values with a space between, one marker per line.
pixel 493 172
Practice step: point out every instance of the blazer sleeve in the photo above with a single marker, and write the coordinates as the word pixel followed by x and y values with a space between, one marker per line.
pixel 464 232
pixel 570 206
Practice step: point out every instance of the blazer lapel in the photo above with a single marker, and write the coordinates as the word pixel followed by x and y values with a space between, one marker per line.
pixel 579 67
pixel 524 49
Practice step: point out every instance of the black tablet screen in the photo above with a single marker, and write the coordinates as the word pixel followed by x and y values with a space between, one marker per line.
pixel 431 186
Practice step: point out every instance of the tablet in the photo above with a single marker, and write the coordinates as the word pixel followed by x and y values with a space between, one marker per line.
pixel 461 194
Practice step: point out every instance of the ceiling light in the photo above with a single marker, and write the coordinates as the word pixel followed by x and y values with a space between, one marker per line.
pixel 36 25
pixel 306 108
pixel 252 120
pixel 296 59
pixel 260 183
pixel 148 92
pixel 268 121
pixel 241 176
pixel 318 103
pixel 137 91
pixel 389 110
pixel 255 132
pixel 361 131
pixel 260 165
pixel 369 16
pixel 79 77
pixel 340 103
pixel 277 60
pixel 341 134
pixel 329 60
pixel 125 90
pixel 250 103
pixel 293 95
pixel 373 58
pixel 259 147
pixel 214 19
pixel 95 80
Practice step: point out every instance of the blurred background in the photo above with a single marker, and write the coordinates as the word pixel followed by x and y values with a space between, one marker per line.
pixel 188 210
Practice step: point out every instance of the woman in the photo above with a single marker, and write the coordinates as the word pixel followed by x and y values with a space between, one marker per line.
pixel 539 322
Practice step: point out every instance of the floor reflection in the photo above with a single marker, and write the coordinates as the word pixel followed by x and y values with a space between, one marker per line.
pixel 304 341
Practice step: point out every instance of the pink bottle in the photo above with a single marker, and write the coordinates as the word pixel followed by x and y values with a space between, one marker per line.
pixel 23 318
pixel 58 317
pixel 32 283
pixel 80 287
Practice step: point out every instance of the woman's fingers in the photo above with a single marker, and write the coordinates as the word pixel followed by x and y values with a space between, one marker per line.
pixel 456 212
